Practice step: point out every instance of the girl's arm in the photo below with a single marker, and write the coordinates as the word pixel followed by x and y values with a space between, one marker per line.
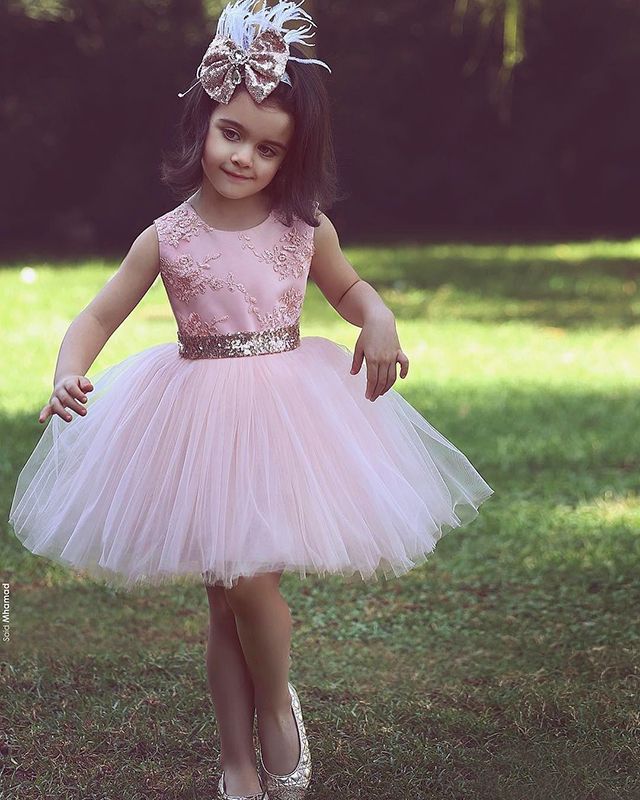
pixel 94 325
pixel 358 302
pixel 353 298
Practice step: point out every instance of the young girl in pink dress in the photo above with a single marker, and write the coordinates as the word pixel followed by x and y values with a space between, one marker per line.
pixel 243 450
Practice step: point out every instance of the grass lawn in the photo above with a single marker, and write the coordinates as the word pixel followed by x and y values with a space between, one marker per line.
pixel 505 667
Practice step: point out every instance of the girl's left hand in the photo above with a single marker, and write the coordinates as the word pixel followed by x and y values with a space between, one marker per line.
pixel 378 342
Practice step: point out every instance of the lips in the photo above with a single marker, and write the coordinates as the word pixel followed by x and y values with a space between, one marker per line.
pixel 234 175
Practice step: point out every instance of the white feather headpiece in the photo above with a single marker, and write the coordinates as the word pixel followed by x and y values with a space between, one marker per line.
pixel 255 43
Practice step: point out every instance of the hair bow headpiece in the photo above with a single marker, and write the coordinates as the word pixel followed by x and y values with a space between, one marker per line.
pixel 255 43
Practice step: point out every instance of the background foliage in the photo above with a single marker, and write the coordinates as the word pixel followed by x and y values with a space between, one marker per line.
pixel 459 118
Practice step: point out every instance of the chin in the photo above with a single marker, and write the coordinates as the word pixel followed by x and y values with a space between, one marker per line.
pixel 229 190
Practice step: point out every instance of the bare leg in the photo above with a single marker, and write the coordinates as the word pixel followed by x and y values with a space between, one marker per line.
pixel 263 622
pixel 232 693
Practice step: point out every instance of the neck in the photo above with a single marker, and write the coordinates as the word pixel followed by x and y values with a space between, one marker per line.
pixel 233 213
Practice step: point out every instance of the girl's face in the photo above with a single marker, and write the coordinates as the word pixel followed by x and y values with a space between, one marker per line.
pixel 246 139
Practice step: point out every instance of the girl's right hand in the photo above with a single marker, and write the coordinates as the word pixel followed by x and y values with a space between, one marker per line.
pixel 67 392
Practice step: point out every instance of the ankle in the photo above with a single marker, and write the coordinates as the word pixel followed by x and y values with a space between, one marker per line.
pixel 276 724
pixel 239 768
pixel 274 708
pixel 241 781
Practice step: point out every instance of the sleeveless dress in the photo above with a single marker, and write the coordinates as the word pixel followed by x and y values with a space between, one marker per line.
pixel 241 448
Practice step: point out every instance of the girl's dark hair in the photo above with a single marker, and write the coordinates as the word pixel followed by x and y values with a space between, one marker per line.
pixel 307 179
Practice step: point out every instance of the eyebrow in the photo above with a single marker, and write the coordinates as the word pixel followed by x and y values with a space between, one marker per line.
pixel 244 130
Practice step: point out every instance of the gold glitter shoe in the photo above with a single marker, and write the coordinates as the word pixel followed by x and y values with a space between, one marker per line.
pixel 222 793
pixel 292 786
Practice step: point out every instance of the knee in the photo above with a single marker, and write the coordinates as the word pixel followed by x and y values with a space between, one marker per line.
pixel 219 608
pixel 254 594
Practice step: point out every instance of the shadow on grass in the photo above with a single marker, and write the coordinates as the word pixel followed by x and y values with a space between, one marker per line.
pixel 546 286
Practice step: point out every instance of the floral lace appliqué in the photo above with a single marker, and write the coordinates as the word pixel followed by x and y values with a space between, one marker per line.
pixel 187 277
pixel 291 255
pixel 177 225
pixel 194 325
pixel 286 312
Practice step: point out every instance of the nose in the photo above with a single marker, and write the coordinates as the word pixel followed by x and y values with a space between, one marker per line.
pixel 242 156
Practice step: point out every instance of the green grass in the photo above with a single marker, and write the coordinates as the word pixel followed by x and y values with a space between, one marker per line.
pixel 506 667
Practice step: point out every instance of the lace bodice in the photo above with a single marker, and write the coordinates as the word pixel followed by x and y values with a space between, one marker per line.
pixel 227 281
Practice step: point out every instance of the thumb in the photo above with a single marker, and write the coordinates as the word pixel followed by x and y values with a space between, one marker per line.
pixel 404 363
pixel 85 384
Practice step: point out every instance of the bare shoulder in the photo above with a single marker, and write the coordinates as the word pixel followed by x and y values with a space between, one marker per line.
pixel 144 253
pixel 143 256
pixel 128 285
pixel 325 236
pixel 330 269
pixel 325 223
pixel 147 240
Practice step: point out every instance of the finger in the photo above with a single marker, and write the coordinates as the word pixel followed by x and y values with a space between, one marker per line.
pixel 86 386
pixel 68 400
pixel 59 409
pixel 77 392
pixel 357 360
pixel 372 378
pixel 404 364
pixel 383 379
pixel 391 377
pixel 45 413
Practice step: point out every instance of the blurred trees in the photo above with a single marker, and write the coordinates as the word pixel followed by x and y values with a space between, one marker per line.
pixel 457 117
pixel 509 15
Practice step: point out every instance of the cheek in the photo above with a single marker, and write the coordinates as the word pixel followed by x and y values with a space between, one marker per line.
pixel 213 149
pixel 263 170
pixel 272 166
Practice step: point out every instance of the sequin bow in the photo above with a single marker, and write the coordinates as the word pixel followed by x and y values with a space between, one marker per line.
pixel 255 42
pixel 264 64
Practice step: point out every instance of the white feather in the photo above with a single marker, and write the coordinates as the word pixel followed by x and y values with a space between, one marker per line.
pixel 240 23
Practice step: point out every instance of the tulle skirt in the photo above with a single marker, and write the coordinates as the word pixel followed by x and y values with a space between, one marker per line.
pixel 210 469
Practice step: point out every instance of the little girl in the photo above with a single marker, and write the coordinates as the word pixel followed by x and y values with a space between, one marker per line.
pixel 243 450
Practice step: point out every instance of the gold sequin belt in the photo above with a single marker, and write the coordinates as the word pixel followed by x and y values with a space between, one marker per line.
pixel 240 343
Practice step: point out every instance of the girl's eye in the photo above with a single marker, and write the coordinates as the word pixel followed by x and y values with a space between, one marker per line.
pixel 270 154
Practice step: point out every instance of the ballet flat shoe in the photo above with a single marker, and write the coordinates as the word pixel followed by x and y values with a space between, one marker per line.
pixel 292 786
pixel 222 793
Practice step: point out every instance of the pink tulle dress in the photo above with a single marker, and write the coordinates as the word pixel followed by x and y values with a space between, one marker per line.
pixel 241 448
